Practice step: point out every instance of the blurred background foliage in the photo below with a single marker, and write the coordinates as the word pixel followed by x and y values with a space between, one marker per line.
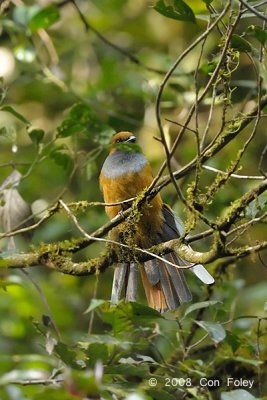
pixel 64 91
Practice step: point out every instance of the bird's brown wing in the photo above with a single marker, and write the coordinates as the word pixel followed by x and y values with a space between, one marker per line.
pixel 174 226
pixel 166 278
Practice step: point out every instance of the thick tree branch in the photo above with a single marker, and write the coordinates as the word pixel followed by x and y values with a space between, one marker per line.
pixel 65 265
pixel 53 255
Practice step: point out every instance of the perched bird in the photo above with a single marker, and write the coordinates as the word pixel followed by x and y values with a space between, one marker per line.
pixel 125 173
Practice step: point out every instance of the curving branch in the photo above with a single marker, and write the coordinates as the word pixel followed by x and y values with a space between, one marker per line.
pixel 53 255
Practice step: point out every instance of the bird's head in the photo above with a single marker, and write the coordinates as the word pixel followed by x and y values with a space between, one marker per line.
pixel 123 137
pixel 124 141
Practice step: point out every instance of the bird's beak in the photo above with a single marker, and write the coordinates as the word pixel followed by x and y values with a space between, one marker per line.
pixel 131 139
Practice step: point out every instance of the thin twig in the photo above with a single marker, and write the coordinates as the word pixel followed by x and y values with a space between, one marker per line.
pixel 253 10
pixel 237 176
pixel 27 382
pixel 166 79
pixel 88 26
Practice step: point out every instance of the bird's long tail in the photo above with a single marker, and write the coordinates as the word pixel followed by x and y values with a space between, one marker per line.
pixel 124 282
pixel 165 285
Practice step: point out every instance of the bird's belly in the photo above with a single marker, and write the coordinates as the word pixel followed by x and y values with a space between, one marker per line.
pixel 148 223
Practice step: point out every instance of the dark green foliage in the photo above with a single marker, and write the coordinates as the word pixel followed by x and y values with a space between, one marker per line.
pixel 44 18
pixel 240 44
pixel 179 10
pixel 69 85
pixel 36 135
pixel 80 120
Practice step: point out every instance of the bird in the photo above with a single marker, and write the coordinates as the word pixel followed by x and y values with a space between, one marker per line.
pixel 125 174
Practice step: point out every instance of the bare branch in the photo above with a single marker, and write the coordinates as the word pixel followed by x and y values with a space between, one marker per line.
pixel 253 10
pixel 230 133
pixel 168 75
pixel 237 176
pixel 88 26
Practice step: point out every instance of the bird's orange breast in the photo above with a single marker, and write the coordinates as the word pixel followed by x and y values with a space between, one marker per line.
pixel 127 186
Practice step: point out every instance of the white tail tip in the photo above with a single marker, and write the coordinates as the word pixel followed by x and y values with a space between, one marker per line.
pixel 202 274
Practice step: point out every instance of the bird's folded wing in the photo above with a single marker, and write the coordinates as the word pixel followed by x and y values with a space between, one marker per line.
pixel 173 228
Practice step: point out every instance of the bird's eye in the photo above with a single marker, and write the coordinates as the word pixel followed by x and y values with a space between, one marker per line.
pixel 118 140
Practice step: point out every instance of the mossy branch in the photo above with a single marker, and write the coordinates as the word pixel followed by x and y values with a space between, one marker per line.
pixel 64 264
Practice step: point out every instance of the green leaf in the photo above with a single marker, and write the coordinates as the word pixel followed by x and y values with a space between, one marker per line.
pixel 216 331
pixel 61 157
pixel 239 394
pixel 249 361
pixel 209 67
pixel 44 18
pixel 11 110
pixel 36 135
pixel 259 33
pixel 233 340
pixel 240 44
pixel 208 2
pixel 157 394
pixel 111 341
pixel 179 11
pixel 55 393
pixel 119 317
pixel 66 355
pixel 97 352
pixel 144 312
pixel 140 370
pixel 95 303
pixel 84 382
pixel 202 304
pixel 126 316
pixel 80 119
